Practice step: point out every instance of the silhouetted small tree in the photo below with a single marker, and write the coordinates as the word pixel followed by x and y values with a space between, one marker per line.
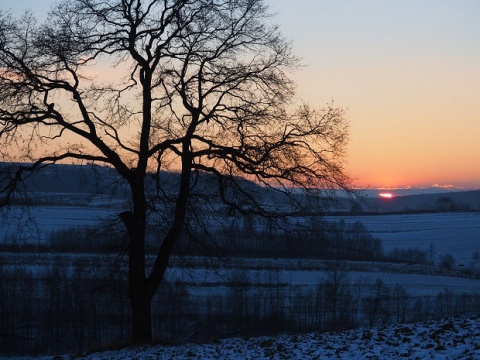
pixel 447 261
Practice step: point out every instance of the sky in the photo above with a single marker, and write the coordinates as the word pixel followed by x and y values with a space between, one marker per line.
pixel 408 73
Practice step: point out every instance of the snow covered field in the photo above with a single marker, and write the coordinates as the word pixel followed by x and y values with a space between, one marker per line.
pixel 206 281
pixel 32 224
pixel 448 339
pixel 212 279
pixel 449 233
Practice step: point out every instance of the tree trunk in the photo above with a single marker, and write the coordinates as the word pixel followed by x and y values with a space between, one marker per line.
pixel 139 293
pixel 141 317
pixel 141 287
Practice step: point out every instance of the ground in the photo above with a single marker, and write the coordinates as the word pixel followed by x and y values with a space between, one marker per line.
pixel 457 338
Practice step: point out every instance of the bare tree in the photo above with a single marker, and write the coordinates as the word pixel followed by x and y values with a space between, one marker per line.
pixel 197 86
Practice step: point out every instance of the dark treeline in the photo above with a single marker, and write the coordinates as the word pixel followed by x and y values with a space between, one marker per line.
pixel 251 238
pixel 72 309
pixel 60 309
pixel 317 238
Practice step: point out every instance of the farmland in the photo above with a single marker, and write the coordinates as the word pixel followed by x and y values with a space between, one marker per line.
pixel 449 233
pixel 440 233
pixel 208 297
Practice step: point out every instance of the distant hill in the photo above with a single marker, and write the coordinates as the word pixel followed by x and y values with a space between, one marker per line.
pixel 82 180
pixel 65 178
pixel 441 202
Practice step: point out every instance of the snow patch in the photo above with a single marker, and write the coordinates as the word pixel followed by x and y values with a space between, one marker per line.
pixel 448 339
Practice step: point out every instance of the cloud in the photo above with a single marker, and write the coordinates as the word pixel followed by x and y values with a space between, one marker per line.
pixel 446 186
pixel 395 188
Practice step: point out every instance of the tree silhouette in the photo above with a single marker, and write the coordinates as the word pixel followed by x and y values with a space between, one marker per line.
pixel 195 86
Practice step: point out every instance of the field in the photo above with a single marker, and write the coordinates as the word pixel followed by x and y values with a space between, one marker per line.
pixel 449 233
pixel 204 299
pixel 32 224
pixel 438 234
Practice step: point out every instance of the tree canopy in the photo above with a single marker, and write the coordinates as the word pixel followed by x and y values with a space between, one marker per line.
pixel 195 86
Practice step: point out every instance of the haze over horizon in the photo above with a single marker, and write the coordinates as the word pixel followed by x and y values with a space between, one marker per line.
pixel 408 72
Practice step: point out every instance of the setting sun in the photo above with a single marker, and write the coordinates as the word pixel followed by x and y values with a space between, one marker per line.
pixel 386 195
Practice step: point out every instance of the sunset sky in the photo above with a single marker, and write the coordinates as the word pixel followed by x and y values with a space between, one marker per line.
pixel 407 71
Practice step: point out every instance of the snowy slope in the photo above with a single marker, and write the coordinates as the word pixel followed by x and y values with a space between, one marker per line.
pixel 448 233
pixel 449 339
